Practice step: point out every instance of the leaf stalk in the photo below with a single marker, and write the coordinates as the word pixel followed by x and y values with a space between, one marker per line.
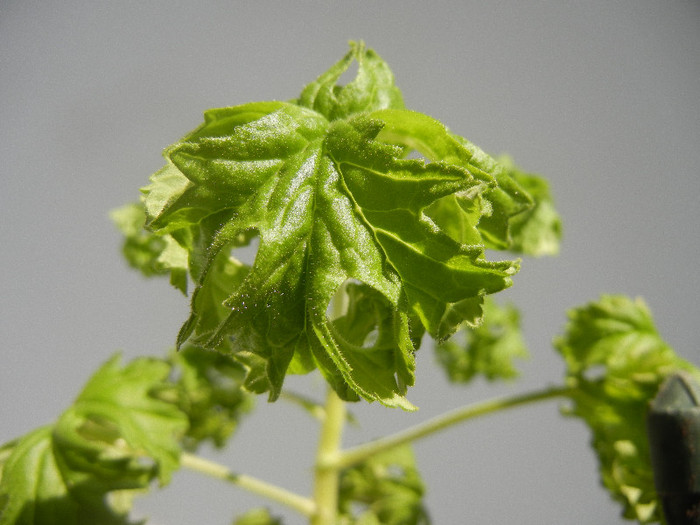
pixel 301 504
pixel 360 453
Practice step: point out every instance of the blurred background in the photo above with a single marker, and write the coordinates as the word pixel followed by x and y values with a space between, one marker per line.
pixel 603 98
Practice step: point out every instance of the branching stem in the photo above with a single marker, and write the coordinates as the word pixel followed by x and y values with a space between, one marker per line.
pixel 331 460
pixel 327 470
pixel 360 453
pixel 299 503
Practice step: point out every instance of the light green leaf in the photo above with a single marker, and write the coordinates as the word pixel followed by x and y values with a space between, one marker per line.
pixel 386 489
pixel 488 349
pixel 106 448
pixel 35 490
pixel 325 186
pixel 536 231
pixel 257 517
pixel 117 431
pixel 616 362
pixel 150 254
pixel 207 386
pixel 372 89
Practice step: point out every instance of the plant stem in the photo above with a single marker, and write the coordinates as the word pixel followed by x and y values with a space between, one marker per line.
pixel 327 470
pixel 360 453
pixel 299 503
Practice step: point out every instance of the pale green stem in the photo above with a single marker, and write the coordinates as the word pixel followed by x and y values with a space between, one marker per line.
pixel 327 470
pixel 299 503
pixel 360 453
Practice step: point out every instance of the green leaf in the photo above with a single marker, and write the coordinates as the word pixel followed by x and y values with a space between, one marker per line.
pixel 536 231
pixel 488 349
pixel 502 205
pixel 150 254
pixel 257 517
pixel 207 386
pixel 324 184
pixel 107 447
pixel 385 489
pixel 224 274
pixel 372 89
pixel 118 431
pixel 35 490
pixel 616 362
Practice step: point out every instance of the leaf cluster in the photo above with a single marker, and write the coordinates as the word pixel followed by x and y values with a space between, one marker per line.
pixel 488 350
pixel 385 489
pixel 344 215
pixel 616 361
pixel 373 224
pixel 124 431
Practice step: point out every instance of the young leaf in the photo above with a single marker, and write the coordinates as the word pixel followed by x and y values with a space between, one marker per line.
pixel 36 490
pixel 372 89
pixel 324 184
pixel 117 430
pixel 616 362
pixel 150 254
pixel 386 489
pixel 488 349
pixel 207 386
pixel 257 517
pixel 109 445
pixel 536 231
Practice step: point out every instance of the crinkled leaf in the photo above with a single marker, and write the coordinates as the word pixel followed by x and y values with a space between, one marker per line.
pixel 37 488
pixel 225 274
pixel 207 386
pixel 376 341
pixel 117 431
pixel 257 517
pixel 372 89
pixel 616 362
pixel 150 254
pixel 536 231
pixel 324 184
pixel 502 204
pixel 385 489
pixel 108 446
pixel 488 349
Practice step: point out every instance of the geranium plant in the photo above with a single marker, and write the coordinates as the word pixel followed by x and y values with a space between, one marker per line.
pixel 374 226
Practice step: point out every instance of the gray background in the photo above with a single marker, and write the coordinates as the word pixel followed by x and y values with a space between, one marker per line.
pixel 602 97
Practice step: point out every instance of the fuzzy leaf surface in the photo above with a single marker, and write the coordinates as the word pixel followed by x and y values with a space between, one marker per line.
pixel 372 89
pixel 324 184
